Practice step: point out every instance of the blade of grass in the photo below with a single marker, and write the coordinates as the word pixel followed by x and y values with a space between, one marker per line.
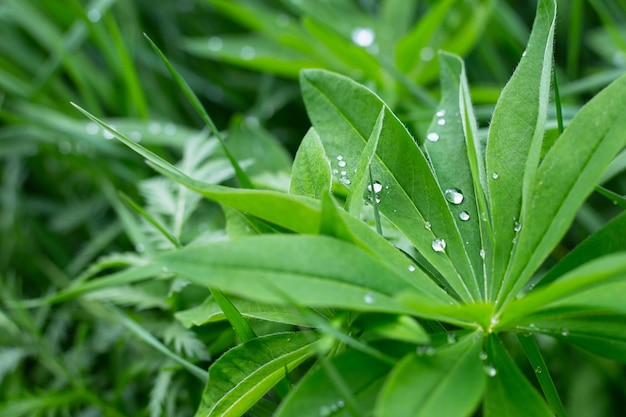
pixel 243 178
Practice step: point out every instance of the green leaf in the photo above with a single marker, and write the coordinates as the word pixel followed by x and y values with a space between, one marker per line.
pixel 311 169
pixel 344 115
pixel 514 142
pixel 210 312
pixel 247 372
pixel 315 395
pixel 567 175
pixel 428 385
pixel 315 270
pixel 509 394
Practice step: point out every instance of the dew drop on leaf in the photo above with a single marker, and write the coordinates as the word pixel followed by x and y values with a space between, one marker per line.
pixel 248 53
pixel 427 54
pixel 538 370
pixel 411 268
pixel 368 298
pixel 215 43
pixel 441 122
pixel 427 225
pixel 517 226
pixel 92 128
pixel 433 137
pixel 490 370
pixel 454 196
pixel 439 245
pixel 464 215
pixel 375 186
pixel 495 175
pixel 451 338
pixel 342 164
pixel 564 331
pixel 363 37
pixel 482 253
pixel 94 15
pixel 483 355
pixel 441 113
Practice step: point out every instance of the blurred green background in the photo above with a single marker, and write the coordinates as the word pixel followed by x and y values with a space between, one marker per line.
pixel 62 218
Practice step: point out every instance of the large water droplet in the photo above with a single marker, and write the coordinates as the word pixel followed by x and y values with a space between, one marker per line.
pixel 363 37
pixel 368 298
pixel 517 226
pixel 490 370
pixel 248 53
pixel 108 135
pixel 375 186
pixel 454 195
pixel 482 253
pixel 215 43
pixel 433 137
pixel 464 215
pixel 94 15
pixel 439 245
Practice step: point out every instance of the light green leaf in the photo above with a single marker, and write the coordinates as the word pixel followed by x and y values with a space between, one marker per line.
pixel 344 114
pixel 567 175
pixel 431 385
pixel 514 142
pixel 509 394
pixel 247 372
pixel 315 395
pixel 311 169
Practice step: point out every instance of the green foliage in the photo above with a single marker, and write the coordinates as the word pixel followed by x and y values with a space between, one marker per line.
pixel 410 261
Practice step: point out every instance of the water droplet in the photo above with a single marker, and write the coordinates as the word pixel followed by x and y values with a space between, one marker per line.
pixel 324 411
pixel 524 53
pixel 517 226
pixel 427 54
pixel 439 245
pixel 482 253
pixel 441 113
pixel 345 180
pixel 215 43
pixel 154 128
pixel 339 157
pixel 483 355
pixel 94 15
pixel 538 370
pixel 490 371
pixel 363 37
pixel 368 298
pixel 342 163
pixel 464 215
pixel 454 195
pixel 427 225
pixel 564 331
pixel 411 268
pixel 248 53
pixel 341 403
pixel 136 136
pixel 493 321
pixel 451 338
pixel 495 175
pixel 140 248
pixel 92 128
pixel 108 135
pixel 335 171
pixel 375 186
pixel 169 129
pixel 425 350
pixel 165 269
pixel 433 137
pixel 441 122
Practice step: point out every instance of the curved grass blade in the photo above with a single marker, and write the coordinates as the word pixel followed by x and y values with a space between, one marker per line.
pixel 344 114
pixel 244 374
pixel 515 137
pixel 195 102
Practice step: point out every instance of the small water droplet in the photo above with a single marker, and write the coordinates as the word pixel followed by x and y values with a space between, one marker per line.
pixel 432 136
pixel 517 226
pixel 451 338
pixel 345 180
pixel 482 253
pixel 427 225
pixel 65 147
pixel 92 128
pixel 335 171
pixel 495 175
pixel 324 411
pixel 368 298
pixel 564 331
pixel 439 245
pixel 493 321
pixel 427 54
pixel 483 355
pixel 94 15
pixel 215 43
pixel 441 122
pixel 341 403
pixel 454 195
pixel 342 163
pixel 425 350
pixel 524 53
pixel 411 268
pixel 140 248
pixel 538 370
pixel 169 129
pixel 464 215
pixel 490 370
pixel 136 136
pixel 154 128
pixel 441 113
pixel 248 53
pixel 363 37
pixel 339 157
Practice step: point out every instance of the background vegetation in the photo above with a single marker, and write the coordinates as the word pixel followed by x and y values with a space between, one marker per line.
pixel 65 186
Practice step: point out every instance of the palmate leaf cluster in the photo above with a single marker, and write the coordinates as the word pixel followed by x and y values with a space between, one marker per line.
pixel 482 215
pixel 387 272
